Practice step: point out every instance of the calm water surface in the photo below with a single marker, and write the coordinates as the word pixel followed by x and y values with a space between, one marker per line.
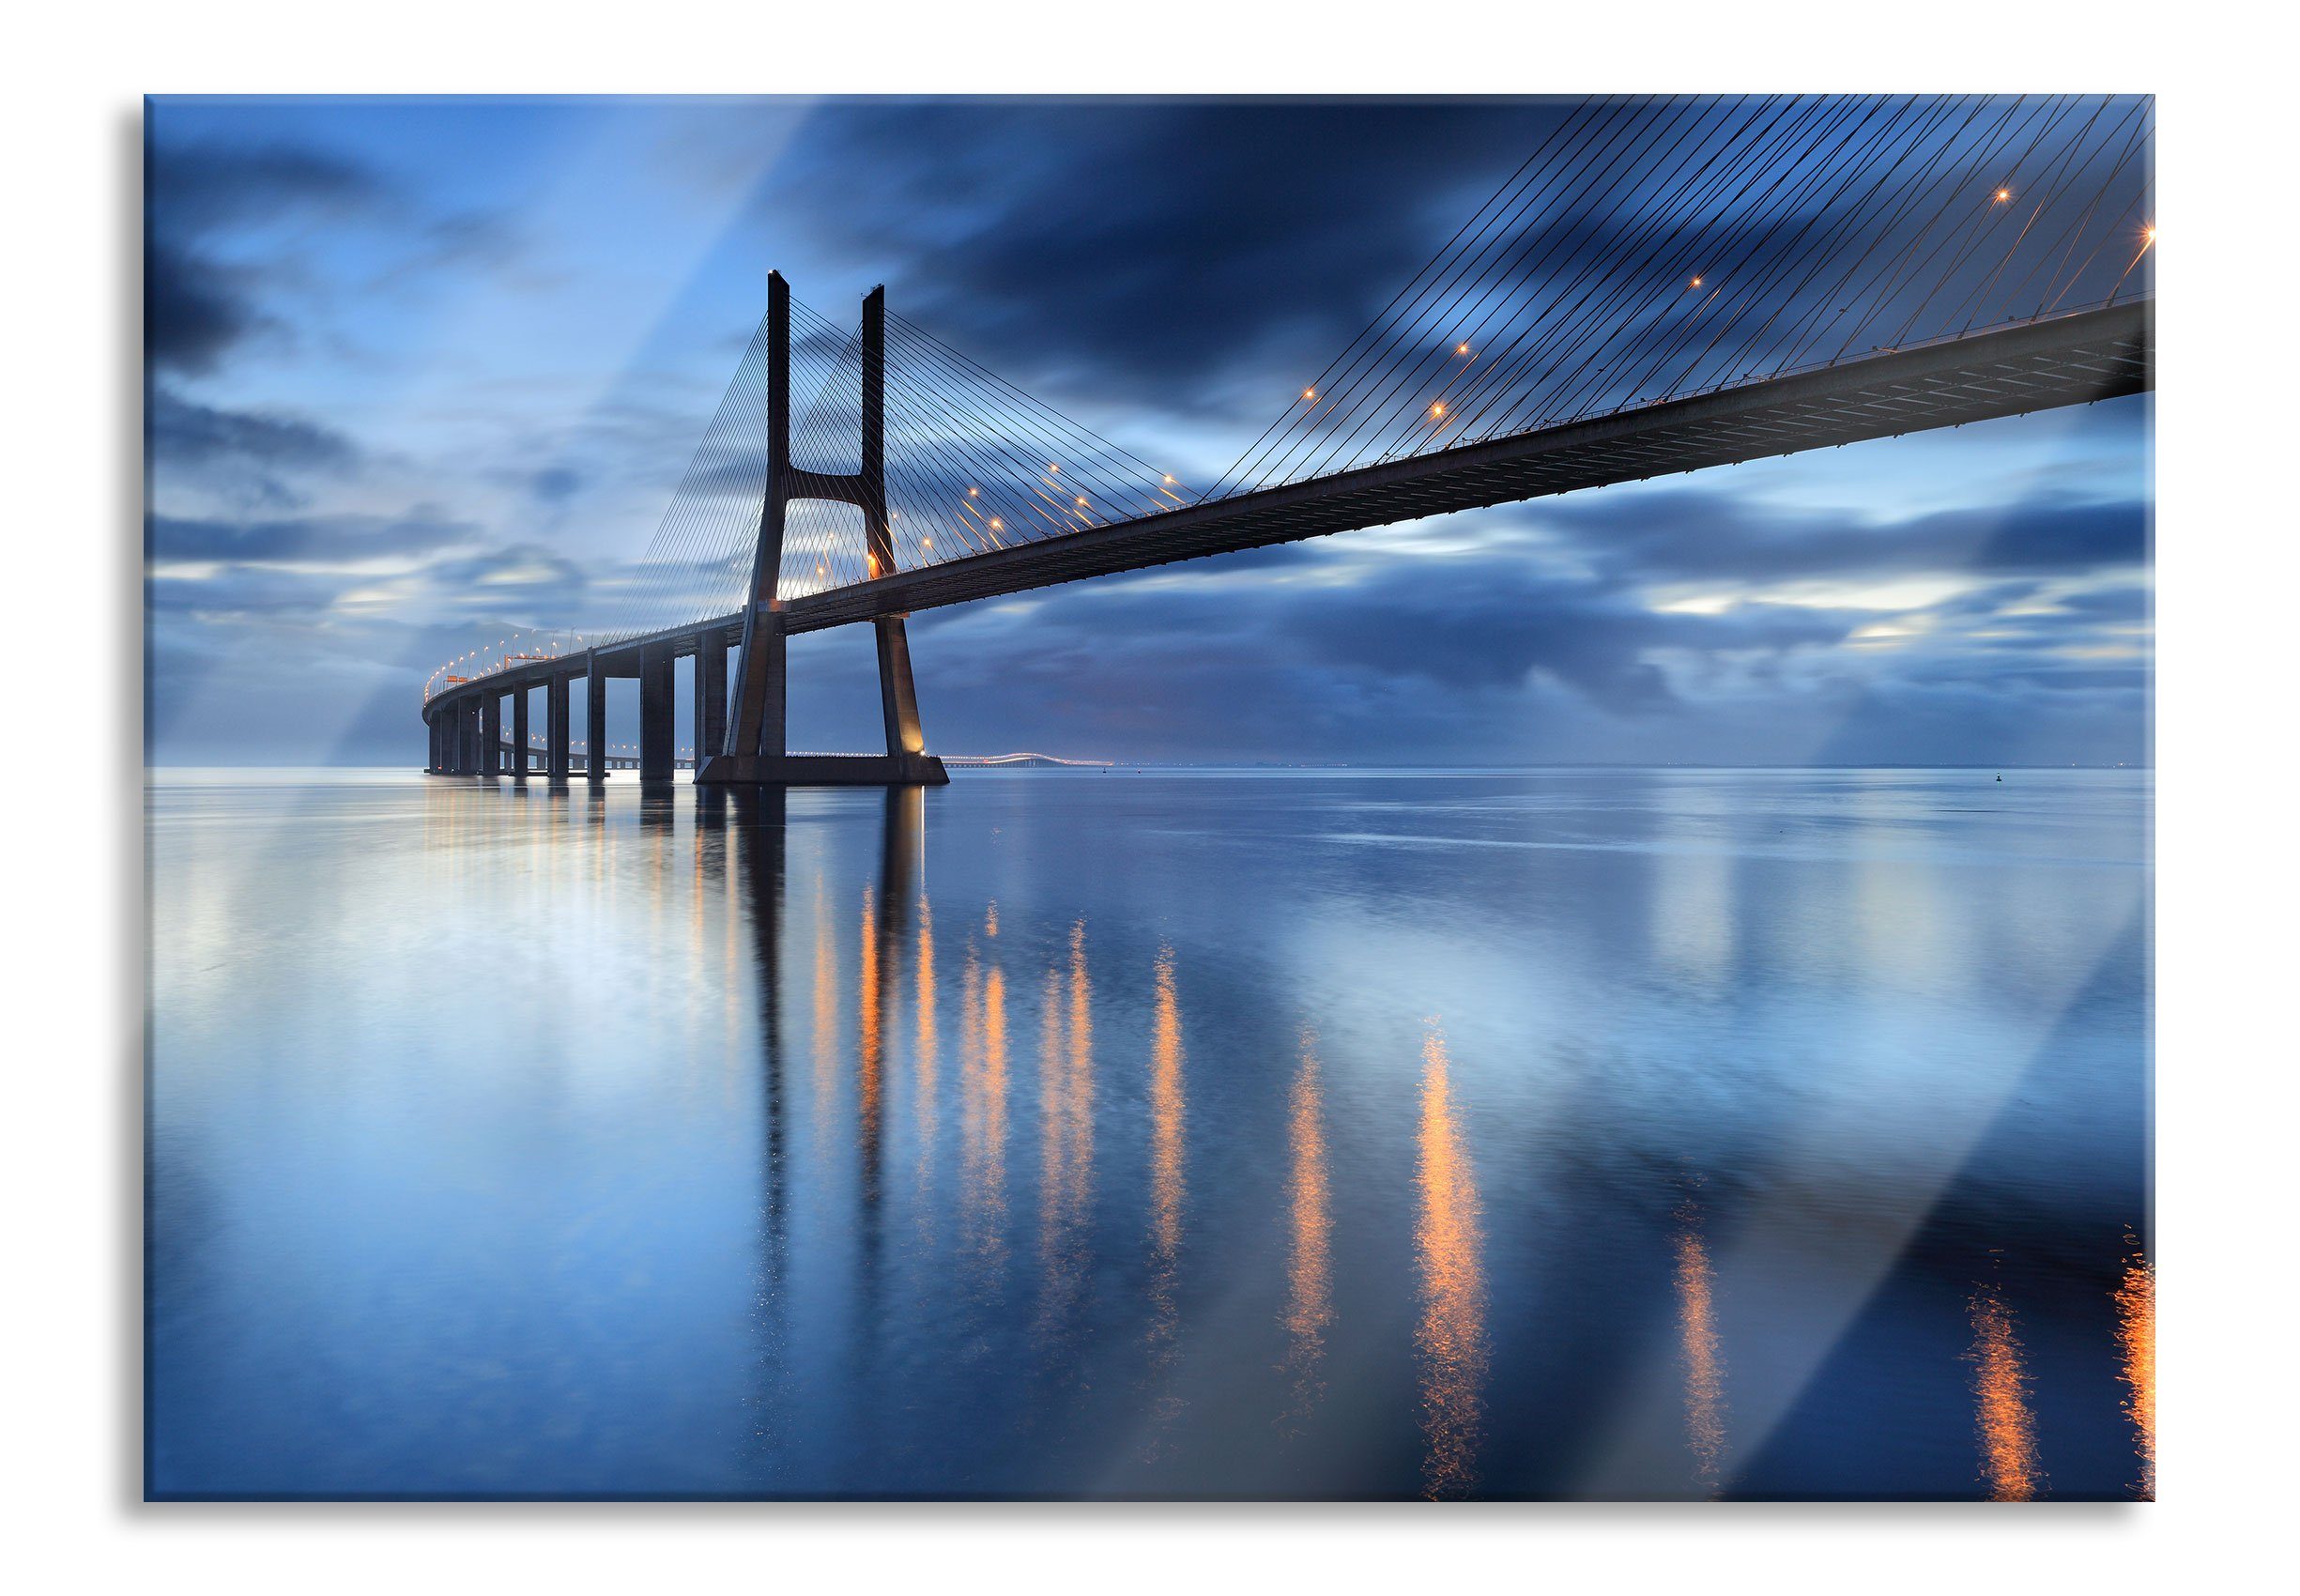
pixel 1559 1133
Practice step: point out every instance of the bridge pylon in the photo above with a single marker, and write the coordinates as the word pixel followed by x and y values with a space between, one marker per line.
pixel 754 749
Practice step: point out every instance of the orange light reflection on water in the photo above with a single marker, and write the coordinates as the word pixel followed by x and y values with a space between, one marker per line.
pixel 924 1054
pixel 1448 1240
pixel 1705 1406
pixel 2001 1392
pixel 1310 1308
pixel 1166 1193
pixel 983 1112
pixel 2136 1341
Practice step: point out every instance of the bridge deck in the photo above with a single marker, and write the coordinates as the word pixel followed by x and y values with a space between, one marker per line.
pixel 2068 360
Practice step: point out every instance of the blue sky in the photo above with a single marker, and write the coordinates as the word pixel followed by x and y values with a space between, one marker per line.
pixel 421 372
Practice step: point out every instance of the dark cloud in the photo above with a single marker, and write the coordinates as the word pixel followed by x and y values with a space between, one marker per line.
pixel 1697 533
pixel 301 539
pixel 244 591
pixel 184 431
pixel 1466 625
pixel 195 306
pixel 194 187
pixel 193 309
pixel 555 485
pixel 1157 245
pixel 1433 631
pixel 200 302
pixel 503 573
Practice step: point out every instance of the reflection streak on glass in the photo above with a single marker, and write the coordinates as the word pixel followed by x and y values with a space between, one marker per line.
pixel 2001 1395
pixel 2136 1342
pixel 1705 1406
pixel 1310 1225
pixel 1450 1333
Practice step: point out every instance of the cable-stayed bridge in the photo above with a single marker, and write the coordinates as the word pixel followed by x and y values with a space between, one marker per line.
pixel 1659 286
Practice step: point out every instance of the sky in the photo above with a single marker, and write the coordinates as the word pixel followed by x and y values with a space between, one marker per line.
pixel 423 373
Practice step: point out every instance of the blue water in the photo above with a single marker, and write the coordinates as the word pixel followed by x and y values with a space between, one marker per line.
pixel 1550 1134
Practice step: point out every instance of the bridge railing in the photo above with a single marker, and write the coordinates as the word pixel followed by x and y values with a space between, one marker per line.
pixel 508 653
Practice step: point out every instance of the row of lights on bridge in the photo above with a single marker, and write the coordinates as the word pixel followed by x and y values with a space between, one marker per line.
pixel 993 523
pixel 1437 408
pixel 554 651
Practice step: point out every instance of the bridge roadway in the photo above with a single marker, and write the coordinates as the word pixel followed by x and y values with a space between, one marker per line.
pixel 539 758
pixel 2074 359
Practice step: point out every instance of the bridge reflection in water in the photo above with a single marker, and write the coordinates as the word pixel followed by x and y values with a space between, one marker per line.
pixel 875 1063
pixel 888 1191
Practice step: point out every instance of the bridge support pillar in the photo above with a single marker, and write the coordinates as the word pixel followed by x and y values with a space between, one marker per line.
pixel 518 735
pixel 555 730
pixel 491 735
pixel 710 699
pixel 658 702
pixel 431 726
pixel 897 692
pixel 753 748
pixel 467 738
pixel 594 721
